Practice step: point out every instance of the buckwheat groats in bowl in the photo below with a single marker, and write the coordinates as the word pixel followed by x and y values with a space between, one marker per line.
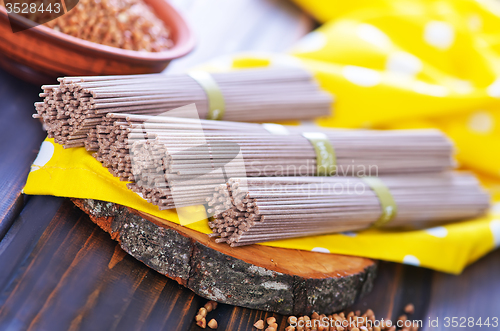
pixel 126 24
pixel 93 38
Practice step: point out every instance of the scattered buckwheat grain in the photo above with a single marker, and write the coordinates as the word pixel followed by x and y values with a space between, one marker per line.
pixel 202 323
pixel 212 324
pixel 410 308
pixel 259 325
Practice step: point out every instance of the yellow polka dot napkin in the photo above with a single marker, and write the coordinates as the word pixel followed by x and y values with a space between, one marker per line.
pixel 391 65
pixel 436 61
pixel 75 173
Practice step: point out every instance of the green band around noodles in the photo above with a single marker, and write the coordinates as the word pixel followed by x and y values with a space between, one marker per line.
pixel 326 161
pixel 216 104
pixel 387 203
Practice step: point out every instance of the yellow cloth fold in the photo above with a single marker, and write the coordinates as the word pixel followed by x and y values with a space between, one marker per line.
pixel 390 64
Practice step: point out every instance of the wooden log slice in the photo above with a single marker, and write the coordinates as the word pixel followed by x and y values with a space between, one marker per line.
pixel 273 279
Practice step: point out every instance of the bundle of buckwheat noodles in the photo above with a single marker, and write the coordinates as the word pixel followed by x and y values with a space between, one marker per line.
pixel 259 181
pixel 160 154
pixel 253 210
pixel 73 108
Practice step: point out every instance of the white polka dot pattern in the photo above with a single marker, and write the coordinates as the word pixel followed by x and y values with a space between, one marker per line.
pixel 320 250
pixel 475 23
pixel 481 122
pixel 494 89
pixel 44 155
pixel 462 86
pixel 361 76
pixel 312 42
pixel 439 34
pixel 430 89
pixel 373 35
pixel 438 231
pixel 403 62
pixel 411 260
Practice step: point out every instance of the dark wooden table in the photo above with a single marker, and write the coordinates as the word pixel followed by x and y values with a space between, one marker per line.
pixel 59 271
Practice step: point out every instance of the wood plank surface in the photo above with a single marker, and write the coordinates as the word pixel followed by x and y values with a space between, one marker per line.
pixel 475 293
pixel 20 138
pixel 76 278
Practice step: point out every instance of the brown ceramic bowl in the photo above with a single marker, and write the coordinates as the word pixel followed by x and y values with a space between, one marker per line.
pixel 41 54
